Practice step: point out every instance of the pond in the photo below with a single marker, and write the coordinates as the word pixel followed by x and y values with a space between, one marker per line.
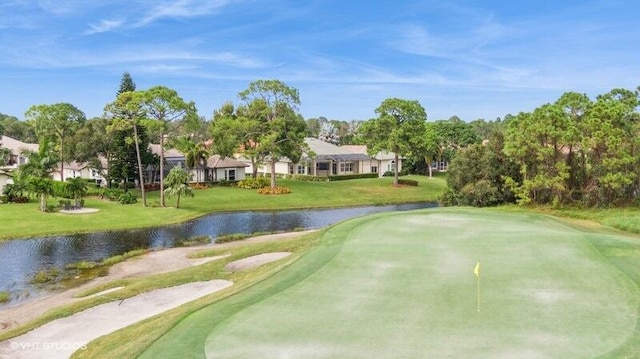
pixel 22 259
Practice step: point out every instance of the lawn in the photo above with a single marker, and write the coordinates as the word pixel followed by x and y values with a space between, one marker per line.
pixel 26 221
pixel 402 285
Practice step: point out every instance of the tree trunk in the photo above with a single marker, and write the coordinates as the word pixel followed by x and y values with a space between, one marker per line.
pixel 140 170
pixel 429 169
pixel 61 160
pixel 43 202
pixel 273 174
pixel 162 204
pixel 395 174
pixel 178 201
pixel 254 167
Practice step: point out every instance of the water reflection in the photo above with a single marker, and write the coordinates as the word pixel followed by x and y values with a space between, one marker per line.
pixel 21 259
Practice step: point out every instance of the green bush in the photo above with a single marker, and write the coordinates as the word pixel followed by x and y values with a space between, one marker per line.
pixel 60 189
pixel 4 199
pixel 127 198
pixel 4 296
pixel 353 176
pixel 254 183
pixel 407 182
pixel 388 174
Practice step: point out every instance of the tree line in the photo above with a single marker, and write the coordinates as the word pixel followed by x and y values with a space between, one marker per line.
pixel 575 150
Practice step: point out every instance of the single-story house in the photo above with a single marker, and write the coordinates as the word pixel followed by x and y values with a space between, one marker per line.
pixel 216 168
pixel 385 161
pixel 329 160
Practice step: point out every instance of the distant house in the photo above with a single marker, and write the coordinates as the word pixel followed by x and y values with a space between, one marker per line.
pixel 16 148
pixel 385 161
pixel 326 159
pixel 215 169
pixel 80 169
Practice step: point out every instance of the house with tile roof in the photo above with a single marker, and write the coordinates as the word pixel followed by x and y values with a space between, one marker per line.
pixel 325 159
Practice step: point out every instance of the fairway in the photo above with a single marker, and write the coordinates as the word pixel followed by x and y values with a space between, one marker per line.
pixel 401 285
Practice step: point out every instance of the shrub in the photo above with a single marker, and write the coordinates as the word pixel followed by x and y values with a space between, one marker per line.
pixel 388 174
pixel 254 183
pixel 308 178
pixel 60 189
pixel 4 199
pixel 112 193
pixel 276 190
pixel 4 296
pixel 353 176
pixel 198 185
pixel 64 204
pixel 127 198
pixel 407 182
pixel 480 194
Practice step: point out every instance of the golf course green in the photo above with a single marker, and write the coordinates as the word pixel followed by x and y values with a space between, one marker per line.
pixel 402 285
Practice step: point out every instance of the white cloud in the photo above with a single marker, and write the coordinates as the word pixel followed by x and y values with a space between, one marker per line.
pixel 182 9
pixel 104 26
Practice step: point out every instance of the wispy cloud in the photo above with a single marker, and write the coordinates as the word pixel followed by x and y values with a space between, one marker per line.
pixel 104 26
pixel 182 9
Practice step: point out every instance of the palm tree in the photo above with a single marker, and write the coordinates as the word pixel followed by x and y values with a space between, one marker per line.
pixel 195 154
pixel 41 187
pixel 177 184
pixel 36 171
pixel 78 188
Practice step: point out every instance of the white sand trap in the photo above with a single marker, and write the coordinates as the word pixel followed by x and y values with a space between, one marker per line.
pixel 83 210
pixel 106 291
pixel 255 261
pixel 61 337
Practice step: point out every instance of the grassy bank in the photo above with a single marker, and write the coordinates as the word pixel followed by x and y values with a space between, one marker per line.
pixel 27 221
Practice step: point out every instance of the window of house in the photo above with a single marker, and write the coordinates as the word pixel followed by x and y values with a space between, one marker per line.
pixel 322 166
pixel 301 170
pixel 230 175
pixel 291 167
pixel 391 166
pixel 346 166
pixel 374 169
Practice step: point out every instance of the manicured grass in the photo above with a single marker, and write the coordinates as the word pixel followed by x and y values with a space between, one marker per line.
pixel 402 285
pixel 27 221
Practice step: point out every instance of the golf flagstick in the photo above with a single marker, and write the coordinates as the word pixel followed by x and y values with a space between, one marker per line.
pixel 476 271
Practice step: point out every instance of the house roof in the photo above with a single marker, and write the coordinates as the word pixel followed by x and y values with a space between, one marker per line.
pixel 16 146
pixel 382 155
pixel 168 153
pixel 328 151
pixel 216 161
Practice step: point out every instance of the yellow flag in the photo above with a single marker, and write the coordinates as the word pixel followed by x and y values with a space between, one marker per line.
pixel 476 270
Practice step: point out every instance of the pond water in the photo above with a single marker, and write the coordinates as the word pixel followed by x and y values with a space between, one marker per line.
pixel 21 259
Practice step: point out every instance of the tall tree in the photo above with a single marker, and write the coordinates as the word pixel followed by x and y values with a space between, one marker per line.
pixel 399 128
pixel 283 129
pixel 126 112
pixel 126 84
pixel 162 106
pixel 57 121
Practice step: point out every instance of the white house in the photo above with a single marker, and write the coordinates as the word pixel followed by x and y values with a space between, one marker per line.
pixel 329 160
pixel 216 168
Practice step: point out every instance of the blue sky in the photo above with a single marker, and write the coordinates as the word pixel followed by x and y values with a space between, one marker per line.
pixel 473 59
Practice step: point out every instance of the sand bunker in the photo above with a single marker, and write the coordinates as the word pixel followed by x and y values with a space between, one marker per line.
pixel 78 330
